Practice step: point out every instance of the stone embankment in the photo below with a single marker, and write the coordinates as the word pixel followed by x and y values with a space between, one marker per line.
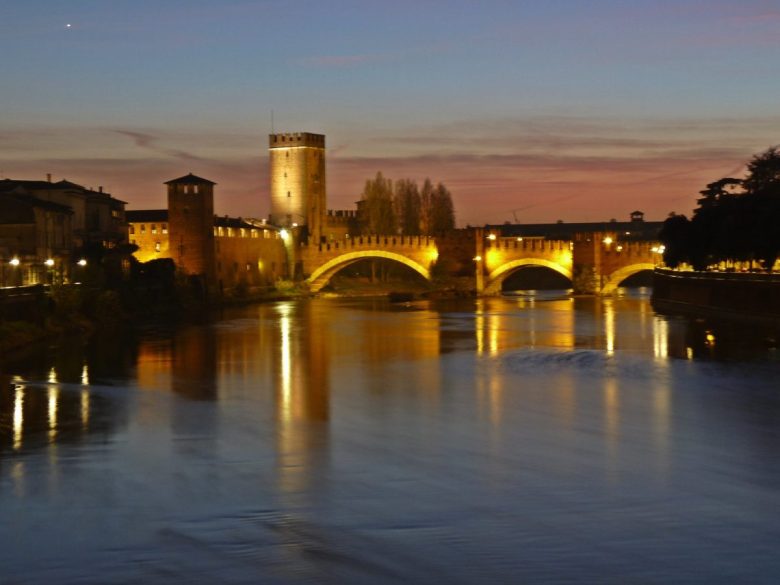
pixel 743 295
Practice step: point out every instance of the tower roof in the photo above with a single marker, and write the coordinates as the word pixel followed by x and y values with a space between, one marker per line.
pixel 189 179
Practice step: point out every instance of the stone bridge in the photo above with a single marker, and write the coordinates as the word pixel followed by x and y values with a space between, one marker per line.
pixel 321 262
pixel 594 262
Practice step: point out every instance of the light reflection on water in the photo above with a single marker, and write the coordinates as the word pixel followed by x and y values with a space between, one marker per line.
pixel 538 438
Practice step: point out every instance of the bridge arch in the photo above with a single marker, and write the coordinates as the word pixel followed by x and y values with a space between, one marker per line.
pixel 322 274
pixel 612 282
pixel 496 278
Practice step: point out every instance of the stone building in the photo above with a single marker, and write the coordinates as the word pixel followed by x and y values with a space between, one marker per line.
pixel 225 252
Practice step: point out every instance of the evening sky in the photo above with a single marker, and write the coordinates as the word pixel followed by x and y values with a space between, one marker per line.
pixel 564 109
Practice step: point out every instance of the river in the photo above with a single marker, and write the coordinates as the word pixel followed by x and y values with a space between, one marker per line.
pixel 528 439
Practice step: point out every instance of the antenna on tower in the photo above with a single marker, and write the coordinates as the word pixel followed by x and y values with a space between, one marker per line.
pixel 272 121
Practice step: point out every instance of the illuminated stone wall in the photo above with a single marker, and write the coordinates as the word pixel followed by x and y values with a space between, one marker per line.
pixel 297 174
pixel 151 238
pixel 251 257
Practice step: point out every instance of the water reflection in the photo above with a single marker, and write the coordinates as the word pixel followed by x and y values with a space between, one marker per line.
pixel 349 441
pixel 302 399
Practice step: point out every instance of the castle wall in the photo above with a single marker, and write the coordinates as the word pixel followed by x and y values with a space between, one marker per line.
pixel 251 257
pixel 152 239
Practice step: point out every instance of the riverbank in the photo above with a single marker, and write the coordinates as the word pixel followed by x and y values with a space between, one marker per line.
pixel 727 295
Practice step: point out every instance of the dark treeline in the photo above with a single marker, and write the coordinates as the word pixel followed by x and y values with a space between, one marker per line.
pixel 404 208
pixel 736 220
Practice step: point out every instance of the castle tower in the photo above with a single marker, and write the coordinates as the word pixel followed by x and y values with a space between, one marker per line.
pixel 297 170
pixel 191 225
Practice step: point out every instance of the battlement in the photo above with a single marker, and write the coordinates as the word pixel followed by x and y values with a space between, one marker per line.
pixel 292 139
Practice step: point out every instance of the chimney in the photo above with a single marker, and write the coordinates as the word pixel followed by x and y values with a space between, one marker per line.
pixel 100 189
pixel 48 177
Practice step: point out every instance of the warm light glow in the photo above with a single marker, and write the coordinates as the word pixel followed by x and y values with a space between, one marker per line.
pixel 660 338
pixel 18 416
pixel 477 258
pixel 53 397
pixel 607 240
pixel 49 262
pixel 84 409
pixel 519 239
pixel 85 375
pixel 286 360
pixel 284 234
pixel 491 236
pixel 661 249
pixel 609 326
pixel 619 248
pixel 14 262
pixel 295 225
pixel 710 338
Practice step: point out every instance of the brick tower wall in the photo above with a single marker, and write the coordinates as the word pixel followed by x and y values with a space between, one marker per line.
pixel 297 172
pixel 191 227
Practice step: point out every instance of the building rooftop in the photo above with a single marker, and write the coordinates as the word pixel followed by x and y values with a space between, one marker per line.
pixel 146 215
pixel 639 230
pixel 17 208
pixel 189 179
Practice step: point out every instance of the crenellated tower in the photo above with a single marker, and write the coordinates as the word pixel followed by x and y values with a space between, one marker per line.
pixel 297 171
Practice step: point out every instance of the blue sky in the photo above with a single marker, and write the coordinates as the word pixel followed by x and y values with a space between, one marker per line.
pixel 610 106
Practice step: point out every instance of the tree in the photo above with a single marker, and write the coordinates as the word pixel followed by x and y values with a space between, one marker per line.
pixel 426 206
pixel 377 206
pixel 764 173
pixel 675 236
pixel 407 206
pixel 442 216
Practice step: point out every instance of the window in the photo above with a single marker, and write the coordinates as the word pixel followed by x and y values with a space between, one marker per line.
pixel 143 228
pixel 195 189
pixel 288 194
pixel 266 234
pixel 248 267
pixel 132 229
pixel 165 228
pixel 154 228
pixel 157 246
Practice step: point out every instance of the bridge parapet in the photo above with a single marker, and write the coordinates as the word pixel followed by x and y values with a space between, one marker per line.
pixel 372 242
